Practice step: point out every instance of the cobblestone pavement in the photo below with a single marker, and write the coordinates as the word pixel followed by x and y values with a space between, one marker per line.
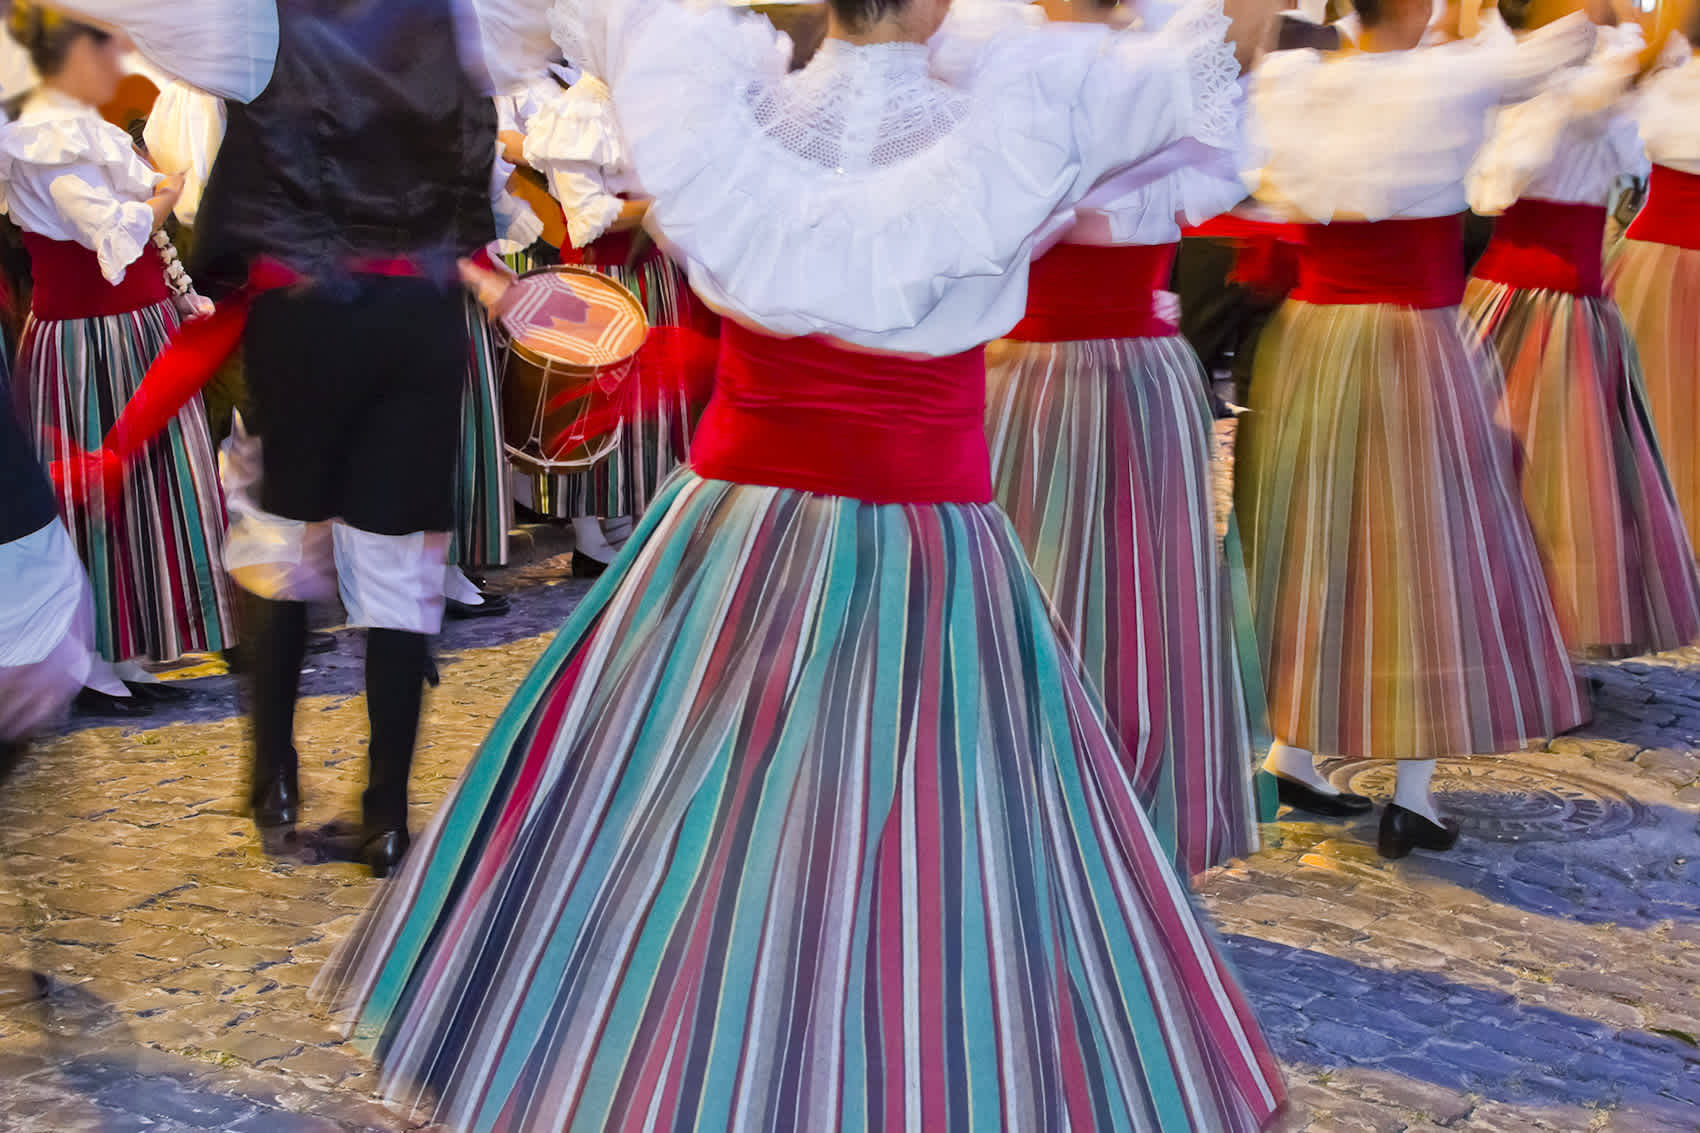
pixel 1541 977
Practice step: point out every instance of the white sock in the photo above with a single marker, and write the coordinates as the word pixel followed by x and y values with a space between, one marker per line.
pixel 103 677
pixel 589 540
pixel 1411 788
pixel 1299 765
pixel 457 587
pixel 132 673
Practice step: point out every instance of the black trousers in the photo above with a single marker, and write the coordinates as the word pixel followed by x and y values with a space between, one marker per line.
pixel 1221 320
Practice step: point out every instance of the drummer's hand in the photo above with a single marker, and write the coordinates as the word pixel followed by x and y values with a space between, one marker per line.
pixel 489 287
pixel 631 216
pixel 513 146
pixel 165 198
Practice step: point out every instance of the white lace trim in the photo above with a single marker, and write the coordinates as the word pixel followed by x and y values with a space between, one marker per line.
pixel 1199 30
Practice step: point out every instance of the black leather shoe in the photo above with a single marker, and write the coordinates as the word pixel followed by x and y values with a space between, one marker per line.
pixel 1405 830
pixel 157 692
pixel 347 841
pixel 586 567
pixel 1300 797
pixel 278 806
pixel 92 702
pixel 493 606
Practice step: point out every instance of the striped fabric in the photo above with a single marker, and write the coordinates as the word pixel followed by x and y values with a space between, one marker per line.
pixel 483 494
pixel 1101 455
pixel 1618 560
pixel 804 821
pixel 155 556
pixel 653 444
pixel 1399 597
pixel 1658 289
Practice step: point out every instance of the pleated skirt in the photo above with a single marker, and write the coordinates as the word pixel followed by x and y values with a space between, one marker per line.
pixel 655 438
pixel 1101 456
pixel 1400 601
pixel 155 555
pixel 1657 287
pixel 804 821
pixel 483 491
pixel 1618 561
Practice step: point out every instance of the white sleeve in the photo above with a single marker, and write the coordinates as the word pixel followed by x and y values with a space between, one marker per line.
pixel 574 140
pixel 183 135
pixel 116 231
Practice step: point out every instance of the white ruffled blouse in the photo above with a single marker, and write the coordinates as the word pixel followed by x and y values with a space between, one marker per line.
pixel 1668 113
pixel 1571 141
pixel 184 131
pixel 68 174
pixel 573 139
pixel 882 195
pixel 1376 136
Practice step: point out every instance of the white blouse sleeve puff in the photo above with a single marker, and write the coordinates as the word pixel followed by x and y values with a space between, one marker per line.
pixel 1668 110
pixel 184 132
pixel 890 195
pixel 68 174
pixel 1572 140
pixel 573 139
pixel 1375 136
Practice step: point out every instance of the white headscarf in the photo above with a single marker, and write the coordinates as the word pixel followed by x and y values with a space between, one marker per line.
pixel 225 47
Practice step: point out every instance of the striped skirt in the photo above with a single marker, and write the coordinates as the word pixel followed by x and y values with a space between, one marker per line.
pixel 1101 455
pixel 804 821
pixel 155 555
pixel 1400 602
pixel 483 493
pixel 1618 560
pixel 654 441
pixel 1658 289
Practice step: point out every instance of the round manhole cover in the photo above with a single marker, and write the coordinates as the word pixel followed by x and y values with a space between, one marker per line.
pixel 1503 801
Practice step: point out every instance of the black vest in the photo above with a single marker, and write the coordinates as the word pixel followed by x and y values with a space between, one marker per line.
pixel 370 141
pixel 26 497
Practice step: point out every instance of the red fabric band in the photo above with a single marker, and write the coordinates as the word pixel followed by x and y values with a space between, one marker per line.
pixel 1546 245
pixel 1266 254
pixel 68 283
pixel 1078 292
pixel 805 414
pixel 1406 263
pixel 1672 212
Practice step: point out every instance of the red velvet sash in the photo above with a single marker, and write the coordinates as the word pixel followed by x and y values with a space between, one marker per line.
pixel 1546 245
pixel 1406 263
pixel 1672 212
pixel 1078 292
pixel 69 284
pixel 805 414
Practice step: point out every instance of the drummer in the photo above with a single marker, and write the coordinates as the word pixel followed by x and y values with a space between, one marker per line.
pixel 357 373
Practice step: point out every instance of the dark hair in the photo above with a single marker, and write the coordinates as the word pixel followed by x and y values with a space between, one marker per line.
pixel 859 15
pixel 1369 12
pixel 47 35
pixel 1515 13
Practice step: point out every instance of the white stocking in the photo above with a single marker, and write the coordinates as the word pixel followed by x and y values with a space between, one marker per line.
pixel 1411 788
pixel 1299 765
pixel 589 540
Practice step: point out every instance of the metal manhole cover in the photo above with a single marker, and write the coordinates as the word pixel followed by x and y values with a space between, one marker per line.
pixel 1503 801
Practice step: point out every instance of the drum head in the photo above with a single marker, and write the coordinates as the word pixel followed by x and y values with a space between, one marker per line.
pixel 572 318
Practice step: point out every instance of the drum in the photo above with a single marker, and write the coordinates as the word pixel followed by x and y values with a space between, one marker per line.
pixel 574 335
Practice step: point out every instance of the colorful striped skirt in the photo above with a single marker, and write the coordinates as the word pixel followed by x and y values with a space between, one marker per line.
pixel 1400 602
pixel 155 555
pixel 655 440
pixel 1101 455
pixel 1657 287
pixel 803 821
pixel 483 492
pixel 1618 560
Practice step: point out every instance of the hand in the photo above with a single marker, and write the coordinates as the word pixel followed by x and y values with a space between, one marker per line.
pixel 513 146
pixel 631 216
pixel 490 287
pixel 165 198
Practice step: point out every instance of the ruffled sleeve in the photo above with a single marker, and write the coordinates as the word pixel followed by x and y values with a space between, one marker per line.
pixel 76 177
pixel 573 139
pixel 1666 113
pixel 183 134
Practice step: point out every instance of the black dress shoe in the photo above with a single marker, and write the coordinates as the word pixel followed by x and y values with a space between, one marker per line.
pixel 278 806
pixel 1405 830
pixel 157 692
pixel 493 606
pixel 1300 797
pixel 586 567
pixel 93 702
pixel 345 841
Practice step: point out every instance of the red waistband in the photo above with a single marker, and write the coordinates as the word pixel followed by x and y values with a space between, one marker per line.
pixel 805 414
pixel 68 283
pixel 1672 212
pixel 1077 292
pixel 1546 245
pixel 1406 263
